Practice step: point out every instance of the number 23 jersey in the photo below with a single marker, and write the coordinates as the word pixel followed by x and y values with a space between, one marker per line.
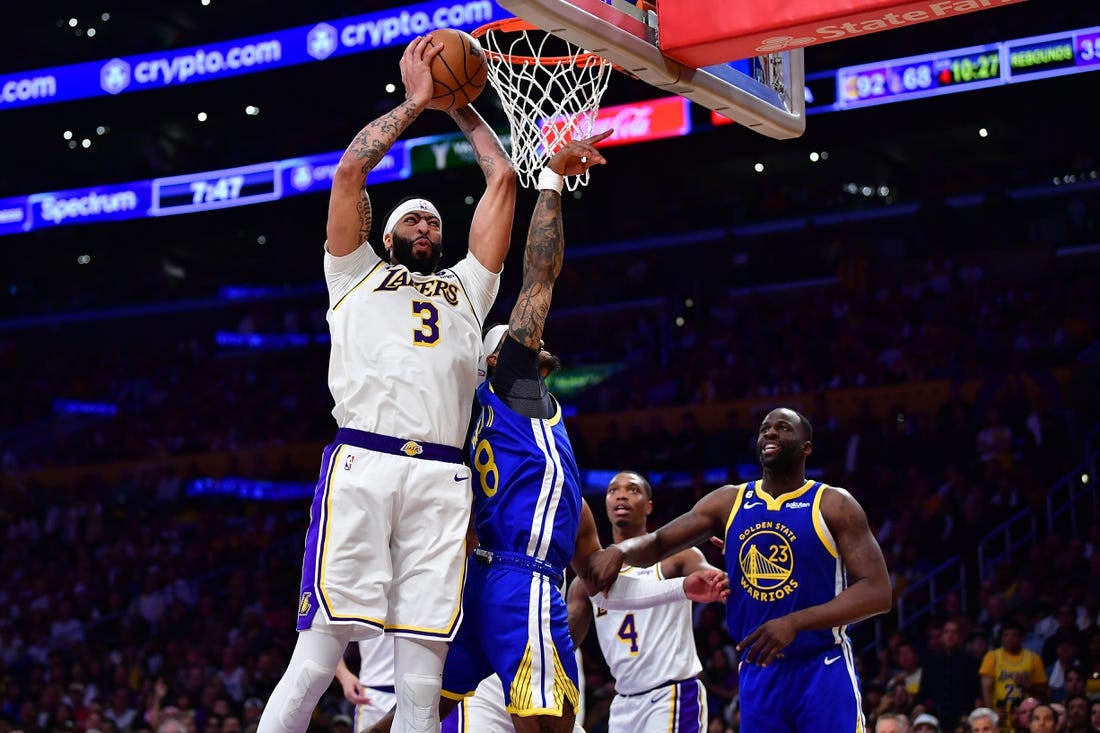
pixel 781 557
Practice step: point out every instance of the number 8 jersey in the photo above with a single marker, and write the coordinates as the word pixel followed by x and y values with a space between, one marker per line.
pixel 387 324
pixel 527 490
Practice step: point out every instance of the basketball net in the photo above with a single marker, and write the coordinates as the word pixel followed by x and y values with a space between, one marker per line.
pixel 548 99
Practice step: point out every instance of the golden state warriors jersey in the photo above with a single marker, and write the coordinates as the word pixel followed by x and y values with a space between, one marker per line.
pixel 527 488
pixel 647 648
pixel 781 557
pixel 405 346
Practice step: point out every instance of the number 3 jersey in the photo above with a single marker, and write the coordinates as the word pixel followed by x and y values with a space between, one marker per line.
pixel 781 557
pixel 527 489
pixel 405 346
pixel 648 648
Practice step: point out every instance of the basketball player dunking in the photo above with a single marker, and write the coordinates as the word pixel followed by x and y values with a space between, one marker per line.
pixel 650 652
pixel 385 549
pixel 803 564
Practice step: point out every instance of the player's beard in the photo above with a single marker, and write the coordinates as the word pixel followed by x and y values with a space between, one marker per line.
pixel 403 254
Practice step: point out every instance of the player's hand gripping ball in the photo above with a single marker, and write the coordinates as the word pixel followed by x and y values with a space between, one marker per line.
pixel 459 71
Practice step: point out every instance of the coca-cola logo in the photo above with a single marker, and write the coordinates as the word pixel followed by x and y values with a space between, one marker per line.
pixel 629 123
pixel 650 120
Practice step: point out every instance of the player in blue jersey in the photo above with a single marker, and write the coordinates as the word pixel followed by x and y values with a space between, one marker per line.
pixel 803 565
pixel 528 513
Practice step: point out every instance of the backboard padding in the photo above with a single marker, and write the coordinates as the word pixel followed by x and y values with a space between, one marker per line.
pixel 630 44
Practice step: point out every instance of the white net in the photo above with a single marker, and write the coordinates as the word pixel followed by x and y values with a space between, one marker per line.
pixel 550 91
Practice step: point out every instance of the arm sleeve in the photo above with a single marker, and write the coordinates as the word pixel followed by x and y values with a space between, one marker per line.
pixel 634 594
pixel 517 381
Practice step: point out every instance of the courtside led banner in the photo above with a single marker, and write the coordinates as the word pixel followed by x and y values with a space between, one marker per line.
pixel 275 50
pixel 188 194
pixel 741 29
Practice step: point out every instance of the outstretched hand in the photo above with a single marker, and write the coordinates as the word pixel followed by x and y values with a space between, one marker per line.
pixel 416 71
pixel 577 156
pixel 707 586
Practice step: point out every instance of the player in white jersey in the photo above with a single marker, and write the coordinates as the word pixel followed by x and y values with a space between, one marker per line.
pixel 650 652
pixel 385 549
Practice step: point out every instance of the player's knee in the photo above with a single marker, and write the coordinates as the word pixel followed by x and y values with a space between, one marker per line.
pixel 310 683
pixel 420 693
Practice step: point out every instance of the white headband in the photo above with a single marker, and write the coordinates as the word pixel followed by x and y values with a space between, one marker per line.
pixel 489 344
pixel 410 206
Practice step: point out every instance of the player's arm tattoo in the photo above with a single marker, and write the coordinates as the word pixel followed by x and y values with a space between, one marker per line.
pixel 542 260
pixel 488 150
pixel 371 145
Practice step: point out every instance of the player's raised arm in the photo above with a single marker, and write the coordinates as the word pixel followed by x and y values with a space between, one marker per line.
pixel 542 256
pixel 349 206
pixel 491 226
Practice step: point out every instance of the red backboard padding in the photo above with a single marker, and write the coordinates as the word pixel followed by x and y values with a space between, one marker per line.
pixel 700 33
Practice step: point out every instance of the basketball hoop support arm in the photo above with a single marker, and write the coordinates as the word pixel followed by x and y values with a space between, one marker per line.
pixel 622 39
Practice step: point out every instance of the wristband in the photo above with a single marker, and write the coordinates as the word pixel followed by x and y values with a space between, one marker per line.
pixel 550 181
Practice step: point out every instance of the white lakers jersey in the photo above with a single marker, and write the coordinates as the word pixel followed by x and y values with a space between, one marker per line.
pixel 647 648
pixel 405 347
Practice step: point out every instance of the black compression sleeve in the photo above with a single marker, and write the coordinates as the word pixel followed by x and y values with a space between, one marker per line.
pixel 517 381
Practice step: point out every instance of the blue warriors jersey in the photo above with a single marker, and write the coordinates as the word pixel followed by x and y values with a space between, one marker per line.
pixel 781 557
pixel 527 489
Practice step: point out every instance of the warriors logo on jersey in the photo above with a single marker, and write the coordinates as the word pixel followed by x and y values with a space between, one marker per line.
pixel 767 560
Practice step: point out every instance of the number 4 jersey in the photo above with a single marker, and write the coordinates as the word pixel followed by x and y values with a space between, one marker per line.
pixel 405 346
pixel 647 648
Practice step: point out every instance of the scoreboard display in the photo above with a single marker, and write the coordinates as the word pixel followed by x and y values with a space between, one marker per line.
pixel 945 72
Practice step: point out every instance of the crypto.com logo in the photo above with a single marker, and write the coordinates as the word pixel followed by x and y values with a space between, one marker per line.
pixel 321 41
pixel 114 76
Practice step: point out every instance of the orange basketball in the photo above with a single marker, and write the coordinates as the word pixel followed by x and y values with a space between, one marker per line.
pixel 459 70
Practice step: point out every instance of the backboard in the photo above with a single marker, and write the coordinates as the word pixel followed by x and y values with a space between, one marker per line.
pixel 770 101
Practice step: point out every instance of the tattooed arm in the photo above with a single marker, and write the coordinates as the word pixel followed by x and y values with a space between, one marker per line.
pixel 491 226
pixel 349 207
pixel 542 257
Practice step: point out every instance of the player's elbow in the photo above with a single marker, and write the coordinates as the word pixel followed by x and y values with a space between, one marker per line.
pixel 348 174
pixel 882 599
pixel 500 175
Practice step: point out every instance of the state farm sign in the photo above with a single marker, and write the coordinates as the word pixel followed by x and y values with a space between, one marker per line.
pixel 700 33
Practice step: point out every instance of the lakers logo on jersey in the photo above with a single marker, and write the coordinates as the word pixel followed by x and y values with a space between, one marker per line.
pixel 766 559
pixel 412 448
pixel 303 604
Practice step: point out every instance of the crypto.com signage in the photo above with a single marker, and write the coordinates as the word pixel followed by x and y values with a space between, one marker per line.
pixel 275 50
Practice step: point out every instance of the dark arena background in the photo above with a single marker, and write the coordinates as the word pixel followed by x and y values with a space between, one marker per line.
pixel 919 277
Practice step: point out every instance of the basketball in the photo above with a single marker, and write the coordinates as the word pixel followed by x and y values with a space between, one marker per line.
pixel 459 70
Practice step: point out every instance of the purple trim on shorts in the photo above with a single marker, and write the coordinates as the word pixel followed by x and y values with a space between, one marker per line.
pixel 453 722
pixel 399 446
pixel 308 601
pixel 687 707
